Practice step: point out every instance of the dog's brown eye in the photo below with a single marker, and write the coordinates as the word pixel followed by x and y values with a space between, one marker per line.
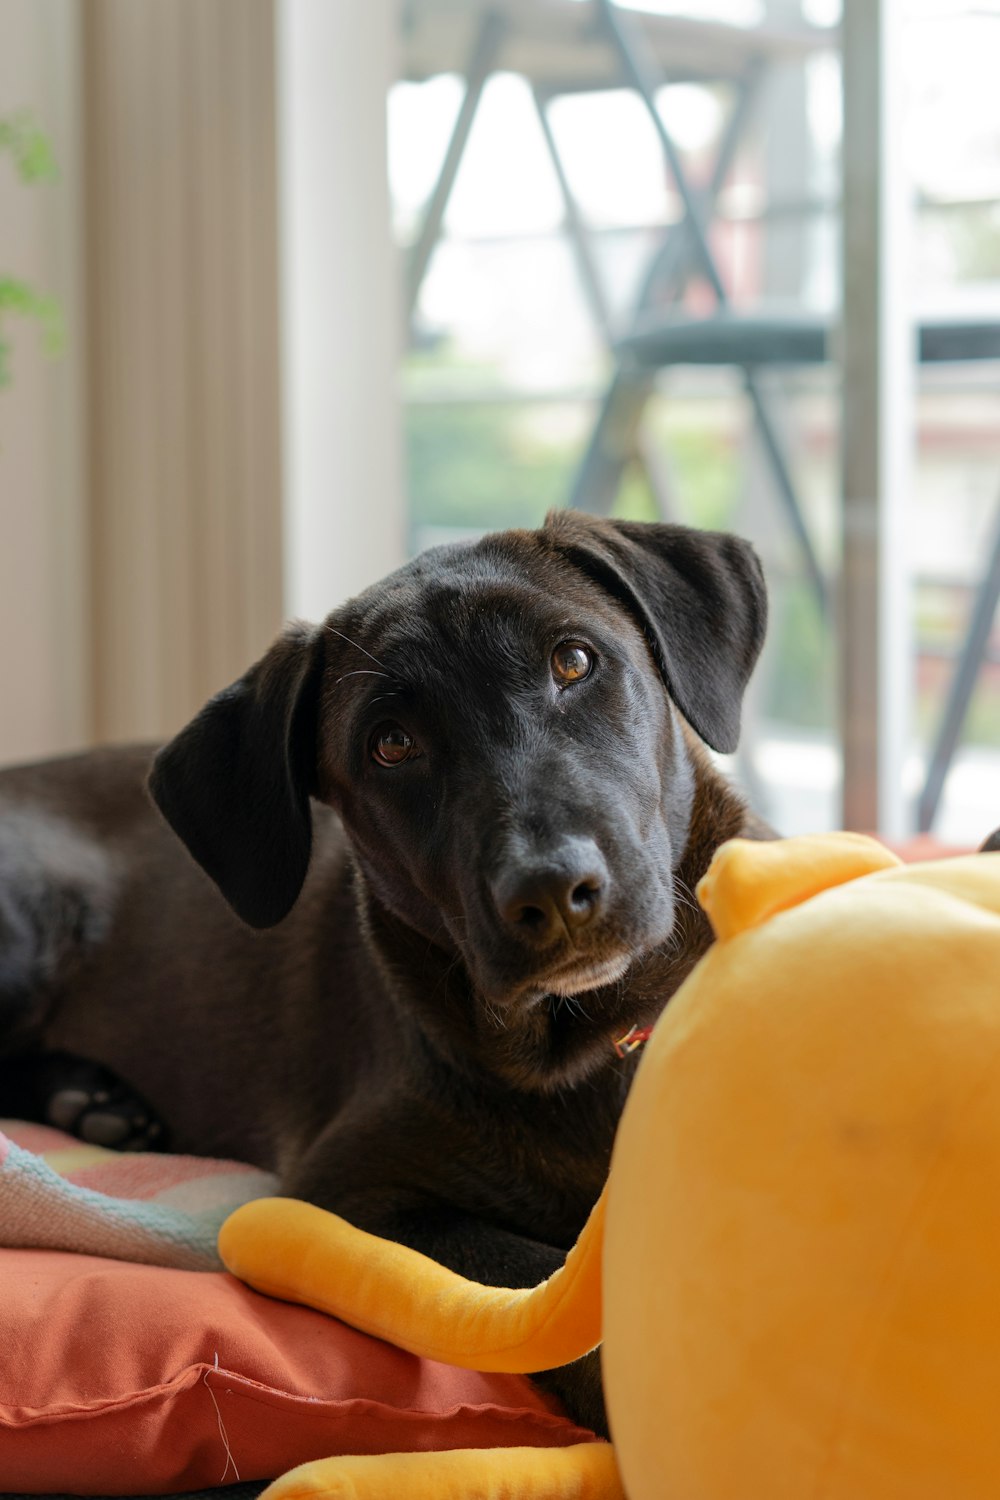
pixel 571 662
pixel 391 745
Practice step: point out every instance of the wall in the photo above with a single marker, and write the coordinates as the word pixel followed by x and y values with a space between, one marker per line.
pixel 152 537
pixel 44 660
pixel 342 322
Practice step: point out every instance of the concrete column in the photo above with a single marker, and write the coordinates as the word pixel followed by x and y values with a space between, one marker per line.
pixel 340 297
pixel 878 423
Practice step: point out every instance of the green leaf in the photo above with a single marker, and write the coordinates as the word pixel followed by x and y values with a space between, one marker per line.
pixel 19 298
pixel 30 147
pixel 34 161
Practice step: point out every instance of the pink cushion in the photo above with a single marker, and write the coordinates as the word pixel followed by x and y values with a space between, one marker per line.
pixel 121 1379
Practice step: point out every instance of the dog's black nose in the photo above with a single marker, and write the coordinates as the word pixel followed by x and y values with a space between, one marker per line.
pixel 545 898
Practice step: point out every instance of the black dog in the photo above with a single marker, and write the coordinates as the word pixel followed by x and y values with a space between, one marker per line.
pixel 469 810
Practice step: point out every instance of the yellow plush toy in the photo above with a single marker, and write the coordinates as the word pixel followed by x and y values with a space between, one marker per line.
pixel 795 1266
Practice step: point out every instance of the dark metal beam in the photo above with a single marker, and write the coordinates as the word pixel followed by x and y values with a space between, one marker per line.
pixel 963 684
pixel 482 61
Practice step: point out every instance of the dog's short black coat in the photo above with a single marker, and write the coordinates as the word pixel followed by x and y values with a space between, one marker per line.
pixel 457 828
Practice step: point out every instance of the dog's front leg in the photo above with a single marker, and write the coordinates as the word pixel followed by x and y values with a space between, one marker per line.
pixel 465 1243
pixel 497 1257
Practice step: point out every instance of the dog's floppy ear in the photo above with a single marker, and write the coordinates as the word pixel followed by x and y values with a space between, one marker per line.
pixel 699 598
pixel 235 783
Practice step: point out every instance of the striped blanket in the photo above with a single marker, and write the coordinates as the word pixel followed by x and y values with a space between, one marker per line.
pixel 58 1194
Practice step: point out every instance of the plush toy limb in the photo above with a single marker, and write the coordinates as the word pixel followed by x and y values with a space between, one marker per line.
pixel 301 1253
pixel 749 882
pixel 586 1471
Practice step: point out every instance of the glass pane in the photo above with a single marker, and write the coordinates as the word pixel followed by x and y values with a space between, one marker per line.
pixel 511 353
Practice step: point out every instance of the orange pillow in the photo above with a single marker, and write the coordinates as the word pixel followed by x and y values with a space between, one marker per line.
pixel 118 1379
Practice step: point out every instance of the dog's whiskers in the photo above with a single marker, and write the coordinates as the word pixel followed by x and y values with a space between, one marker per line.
pixel 494 1015
pixel 355 644
pixel 684 895
pixel 571 1003
pixel 674 942
pixel 363 672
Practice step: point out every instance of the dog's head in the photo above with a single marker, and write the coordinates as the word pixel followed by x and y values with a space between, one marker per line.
pixel 495 723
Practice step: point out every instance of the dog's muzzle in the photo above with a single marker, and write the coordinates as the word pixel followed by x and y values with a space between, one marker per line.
pixel 551 898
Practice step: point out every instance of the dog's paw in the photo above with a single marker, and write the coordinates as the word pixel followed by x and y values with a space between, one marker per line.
pixel 83 1098
pixel 105 1116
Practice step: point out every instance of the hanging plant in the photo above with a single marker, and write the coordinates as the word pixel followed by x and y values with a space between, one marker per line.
pixel 31 153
